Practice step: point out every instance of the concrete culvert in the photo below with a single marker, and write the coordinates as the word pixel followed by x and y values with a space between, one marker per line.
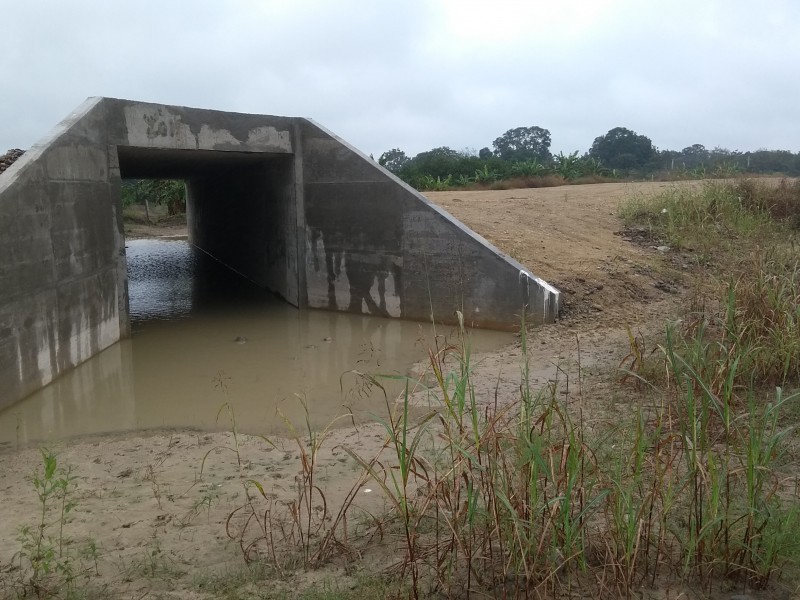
pixel 280 200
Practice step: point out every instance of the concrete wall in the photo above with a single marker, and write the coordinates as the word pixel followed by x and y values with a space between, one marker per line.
pixel 375 245
pixel 60 255
pixel 280 200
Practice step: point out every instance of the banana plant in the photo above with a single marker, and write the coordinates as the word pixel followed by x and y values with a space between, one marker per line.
pixel 464 180
pixel 528 168
pixel 484 175
pixel 592 166
pixel 568 166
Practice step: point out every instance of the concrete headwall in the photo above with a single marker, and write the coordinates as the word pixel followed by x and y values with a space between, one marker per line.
pixel 280 200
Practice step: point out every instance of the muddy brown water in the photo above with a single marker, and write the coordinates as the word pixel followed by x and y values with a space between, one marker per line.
pixel 203 336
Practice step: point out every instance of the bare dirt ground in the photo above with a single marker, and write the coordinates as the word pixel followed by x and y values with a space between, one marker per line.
pixel 158 224
pixel 160 529
pixel 570 236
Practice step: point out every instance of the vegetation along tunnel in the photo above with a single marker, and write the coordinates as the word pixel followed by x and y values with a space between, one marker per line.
pixel 280 200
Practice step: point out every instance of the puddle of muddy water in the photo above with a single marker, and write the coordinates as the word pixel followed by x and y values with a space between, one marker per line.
pixel 203 336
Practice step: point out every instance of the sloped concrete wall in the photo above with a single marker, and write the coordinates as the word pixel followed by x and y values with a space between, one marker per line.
pixel 375 245
pixel 280 200
pixel 61 252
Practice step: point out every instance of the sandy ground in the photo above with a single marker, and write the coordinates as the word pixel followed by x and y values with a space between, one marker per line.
pixel 160 528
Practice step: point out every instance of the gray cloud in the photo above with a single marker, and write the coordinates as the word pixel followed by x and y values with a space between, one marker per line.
pixel 420 74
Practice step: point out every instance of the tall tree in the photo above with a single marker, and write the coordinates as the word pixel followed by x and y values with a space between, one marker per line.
pixel 622 148
pixel 438 162
pixel 694 156
pixel 524 143
pixel 394 159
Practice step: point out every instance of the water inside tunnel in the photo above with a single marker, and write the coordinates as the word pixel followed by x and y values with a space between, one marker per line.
pixel 202 336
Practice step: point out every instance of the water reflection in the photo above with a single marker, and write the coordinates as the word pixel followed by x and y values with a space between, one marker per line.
pixel 203 336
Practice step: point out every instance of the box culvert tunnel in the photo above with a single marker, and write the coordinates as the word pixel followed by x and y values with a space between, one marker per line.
pixel 280 200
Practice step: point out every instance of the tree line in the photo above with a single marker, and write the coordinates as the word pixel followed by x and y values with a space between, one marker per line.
pixel 524 153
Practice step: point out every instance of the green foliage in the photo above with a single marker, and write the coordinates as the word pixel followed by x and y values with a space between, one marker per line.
pixel 746 228
pixel 733 443
pixel 438 163
pixel 484 175
pixel 428 183
pixel 694 156
pixel 708 220
pixel 622 148
pixel 394 160
pixel 696 162
pixel 528 168
pixel 169 192
pixel 48 562
pixel 522 158
pixel 568 166
pixel 773 161
pixel 524 143
pixel 492 495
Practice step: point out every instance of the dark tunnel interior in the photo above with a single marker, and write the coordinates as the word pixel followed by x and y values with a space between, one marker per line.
pixel 241 208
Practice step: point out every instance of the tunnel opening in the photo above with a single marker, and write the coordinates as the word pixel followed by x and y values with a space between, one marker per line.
pixel 240 210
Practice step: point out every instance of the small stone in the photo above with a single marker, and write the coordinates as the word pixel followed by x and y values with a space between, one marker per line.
pixel 597 307
pixel 662 248
pixel 665 287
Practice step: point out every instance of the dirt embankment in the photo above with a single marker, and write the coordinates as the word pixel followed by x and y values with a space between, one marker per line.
pixel 571 237
pixel 157 527
pixel 9 158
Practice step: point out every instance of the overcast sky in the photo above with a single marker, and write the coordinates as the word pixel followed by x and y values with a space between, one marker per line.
pixel 420 74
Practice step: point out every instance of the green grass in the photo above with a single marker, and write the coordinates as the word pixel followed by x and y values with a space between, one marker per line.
pixel 746 232
pixel 717 217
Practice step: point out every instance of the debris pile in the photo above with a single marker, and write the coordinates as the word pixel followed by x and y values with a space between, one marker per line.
pixel 9 157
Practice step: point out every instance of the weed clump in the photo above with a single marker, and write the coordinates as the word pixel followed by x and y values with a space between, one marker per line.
pixel 744 232
pixel 781 202
pixel 527 499
pixel 48 563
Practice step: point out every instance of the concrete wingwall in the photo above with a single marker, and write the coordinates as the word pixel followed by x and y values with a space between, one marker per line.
pixel 375 245
pixel 61 255
pixel 280 200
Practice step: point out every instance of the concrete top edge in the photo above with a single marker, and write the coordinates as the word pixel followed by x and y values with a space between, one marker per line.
pixel 178 107
pixel 37 149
